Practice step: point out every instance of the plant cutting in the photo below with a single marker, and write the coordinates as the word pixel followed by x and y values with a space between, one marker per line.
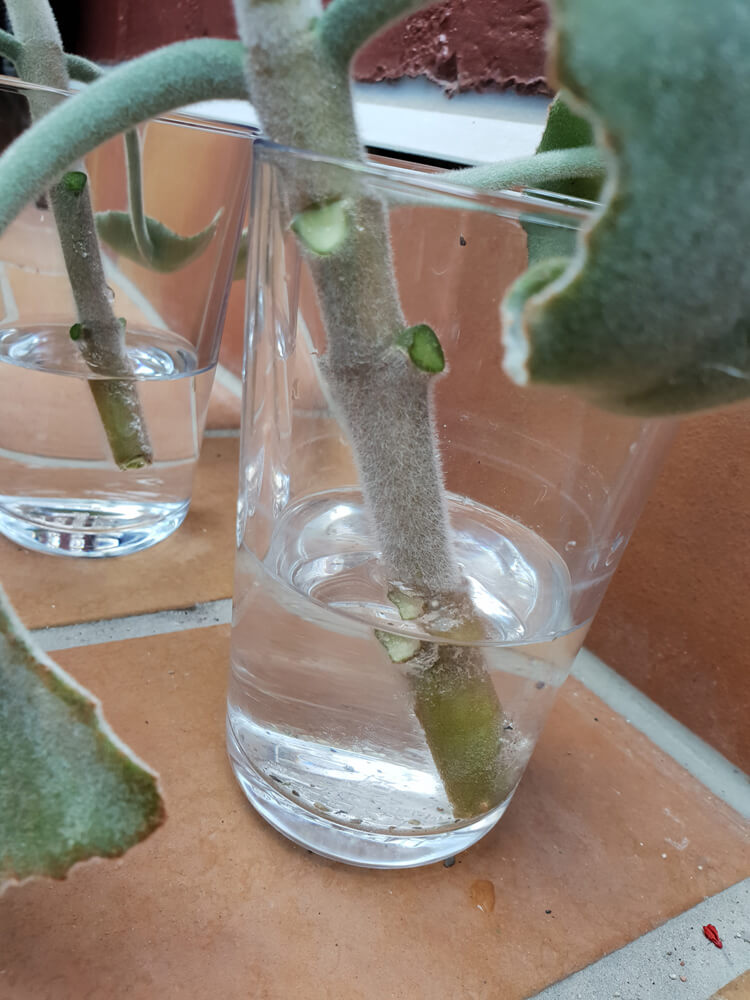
pixel 135 331
pixel 641 316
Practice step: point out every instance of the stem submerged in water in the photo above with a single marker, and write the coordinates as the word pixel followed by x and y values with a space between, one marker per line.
pixel 458 708
pixel 41 60
pixel 302 95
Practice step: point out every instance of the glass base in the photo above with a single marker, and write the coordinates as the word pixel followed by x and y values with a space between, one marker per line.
pixel 351 846
pixel 88 529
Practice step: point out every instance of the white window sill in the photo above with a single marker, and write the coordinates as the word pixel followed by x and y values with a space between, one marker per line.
pixel 415 117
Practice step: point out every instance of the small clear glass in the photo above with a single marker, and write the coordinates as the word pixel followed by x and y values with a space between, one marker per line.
pixel 324 732
pixel 61 491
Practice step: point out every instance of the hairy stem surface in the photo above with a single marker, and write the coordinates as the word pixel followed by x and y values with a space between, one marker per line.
pixel 41 60
pixel 300 86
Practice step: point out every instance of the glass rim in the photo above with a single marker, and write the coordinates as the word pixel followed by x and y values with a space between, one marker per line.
pixel 183 118
pixel 549 206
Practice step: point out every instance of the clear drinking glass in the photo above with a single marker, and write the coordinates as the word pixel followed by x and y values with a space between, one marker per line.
pixel 61 490
pixel 354 756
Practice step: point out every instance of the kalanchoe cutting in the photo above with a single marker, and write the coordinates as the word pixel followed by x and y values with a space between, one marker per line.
pixel 648 312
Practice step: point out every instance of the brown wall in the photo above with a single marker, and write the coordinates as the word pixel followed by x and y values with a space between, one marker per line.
pixel 462 44
pixel 676 619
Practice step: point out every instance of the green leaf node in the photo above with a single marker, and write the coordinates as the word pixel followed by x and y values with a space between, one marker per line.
pixel 170 250
pixel 408 604
pixel 323 229
pixel 399 648
pixel 567 130
pixel 69 790
pixel 74 181
pixel 76 331
pixel 423 347
pixel 652 315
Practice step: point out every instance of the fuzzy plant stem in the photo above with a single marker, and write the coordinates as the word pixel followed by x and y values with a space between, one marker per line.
pixel 298 75
pixel 544 168
pixel 87 72
pixel 101 341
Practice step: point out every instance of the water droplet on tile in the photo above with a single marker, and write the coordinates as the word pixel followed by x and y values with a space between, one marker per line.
pixel 482 894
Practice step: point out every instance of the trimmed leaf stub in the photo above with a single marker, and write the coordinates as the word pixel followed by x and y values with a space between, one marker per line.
pixel 408 604
pixel 323 229
pixel 399 648
pixel 170 250
pixel 423 347
pixel 652 315
pixel 69 790
pixel 74 181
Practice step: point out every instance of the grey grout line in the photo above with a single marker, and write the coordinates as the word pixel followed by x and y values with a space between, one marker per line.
pixel 222 432
pixel 649 967
pixel 713 770
pixel 134 626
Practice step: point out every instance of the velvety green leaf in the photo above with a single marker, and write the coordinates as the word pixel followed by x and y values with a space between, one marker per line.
pixel 240 264
pixel 68 789
pixel 653 314
pixel 564 130
pixel 171 251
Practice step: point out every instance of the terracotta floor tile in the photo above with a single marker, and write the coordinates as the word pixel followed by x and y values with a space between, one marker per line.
pixel 605 833
pixel 737 990
pixel 194 565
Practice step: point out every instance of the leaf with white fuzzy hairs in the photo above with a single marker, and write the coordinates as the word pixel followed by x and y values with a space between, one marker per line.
pixel 69 789
pixel 169 251
pixel 652 315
